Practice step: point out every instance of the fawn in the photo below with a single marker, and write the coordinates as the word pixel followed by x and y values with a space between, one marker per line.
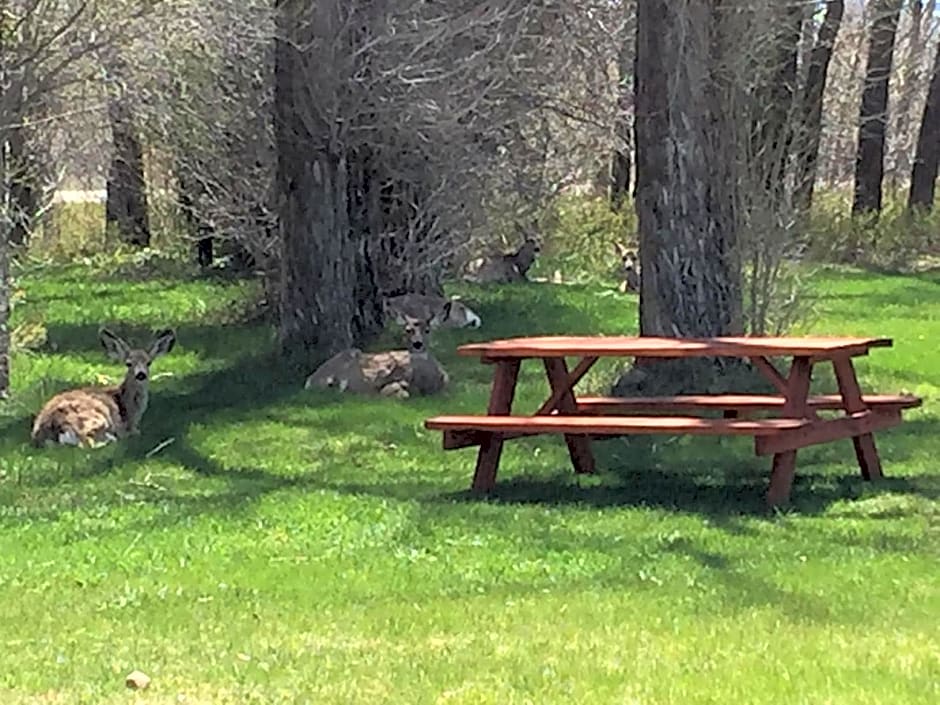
pixel 395 373
pixel 95 415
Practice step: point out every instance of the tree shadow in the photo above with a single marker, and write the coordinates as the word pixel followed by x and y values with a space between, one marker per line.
pixel 692 478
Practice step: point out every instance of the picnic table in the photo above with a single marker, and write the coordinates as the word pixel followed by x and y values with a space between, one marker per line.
pixel 794 420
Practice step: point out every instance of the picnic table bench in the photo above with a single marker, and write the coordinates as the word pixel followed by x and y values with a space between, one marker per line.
pixel 794 423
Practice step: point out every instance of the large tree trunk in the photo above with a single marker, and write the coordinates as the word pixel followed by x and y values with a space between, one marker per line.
pixel 126 207
pixel 869 162
pixel 927 156
pixel 327 302
pixel 686 176
pixel 807 152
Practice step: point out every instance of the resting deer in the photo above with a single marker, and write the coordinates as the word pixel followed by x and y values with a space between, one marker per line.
pixel 94 415
pixel 505 268
pixel 396 373
pixel 441 312
pixel 629 269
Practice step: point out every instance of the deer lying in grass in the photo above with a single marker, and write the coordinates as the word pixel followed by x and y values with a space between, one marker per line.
pixel 396 373
pixel 504 268
pixel 628 270
pixel 441 312
pixel 95 415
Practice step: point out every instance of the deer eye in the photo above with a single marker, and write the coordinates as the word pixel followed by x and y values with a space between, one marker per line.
pixel 129 363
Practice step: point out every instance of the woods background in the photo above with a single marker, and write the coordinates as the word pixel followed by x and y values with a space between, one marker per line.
pixel 346 151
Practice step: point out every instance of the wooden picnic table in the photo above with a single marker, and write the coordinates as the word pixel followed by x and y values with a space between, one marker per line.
pixel 795 422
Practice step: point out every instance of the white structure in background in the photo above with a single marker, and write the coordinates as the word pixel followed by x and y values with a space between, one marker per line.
pixel 97 196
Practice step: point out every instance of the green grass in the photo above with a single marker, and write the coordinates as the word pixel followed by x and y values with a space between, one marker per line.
pixel 292 547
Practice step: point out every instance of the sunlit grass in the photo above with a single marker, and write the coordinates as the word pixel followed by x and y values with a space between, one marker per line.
pixel 262 544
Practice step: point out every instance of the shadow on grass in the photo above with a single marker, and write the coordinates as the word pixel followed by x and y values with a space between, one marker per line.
pixel 712 479
pixel 694 478
pixel 675 490
pixel 256 378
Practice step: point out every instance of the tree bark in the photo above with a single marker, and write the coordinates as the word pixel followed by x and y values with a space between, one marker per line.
pixel 686 172
pixel 622 159
pixel 5 229
pixel 773 131
pixel 869 162
pixel 24 198
pixel 327 299
pixel 807 153
pixel 901 164
pixel 927 156
pixel 126 206
pixel 188 196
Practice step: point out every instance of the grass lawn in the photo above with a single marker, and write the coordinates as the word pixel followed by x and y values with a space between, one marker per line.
pixel 298 547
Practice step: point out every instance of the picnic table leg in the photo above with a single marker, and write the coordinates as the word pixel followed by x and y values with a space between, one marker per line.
pixel 865 450
pixel 505 374
pixel 784 464
pixel 579 447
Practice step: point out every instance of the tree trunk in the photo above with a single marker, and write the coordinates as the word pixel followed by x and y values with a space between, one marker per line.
pixel 686 180
pixel 927 157
pixel 126 207
pixel 621 160
pixel 188 196
pixel 773 132
pixel 327 301
pixel 901 164
pixel 5 229
pixel 869 161
pixel 620 167
pixel 811 103
pixel 24 198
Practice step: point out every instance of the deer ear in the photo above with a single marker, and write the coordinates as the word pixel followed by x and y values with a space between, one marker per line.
pixel 114 346
pixel 162 344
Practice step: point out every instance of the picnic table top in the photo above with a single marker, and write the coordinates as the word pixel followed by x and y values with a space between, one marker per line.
pixel 649 346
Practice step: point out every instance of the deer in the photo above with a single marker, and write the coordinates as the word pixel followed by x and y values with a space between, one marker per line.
pixel 628 270
pixel 93 416
pixel 394 373
pixel 505 268
pixel 441 312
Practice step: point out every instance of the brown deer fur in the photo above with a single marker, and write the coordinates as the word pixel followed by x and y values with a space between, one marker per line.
pixel 628 271
pixel 94 415
pixel 504 268
pixel 396 373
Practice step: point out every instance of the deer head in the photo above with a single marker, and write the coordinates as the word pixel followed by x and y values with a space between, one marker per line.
pixel 137 360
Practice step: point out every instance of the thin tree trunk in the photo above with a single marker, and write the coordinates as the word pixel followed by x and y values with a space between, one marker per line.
pixel 686 179
pixel 5 229
pixel 901 164
pixel 24 199
pixel 869 162
pixel 812 104
pixel 621 160
pixel 927 156
pixel 188 192
pixel 126 207
pixel 773 130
